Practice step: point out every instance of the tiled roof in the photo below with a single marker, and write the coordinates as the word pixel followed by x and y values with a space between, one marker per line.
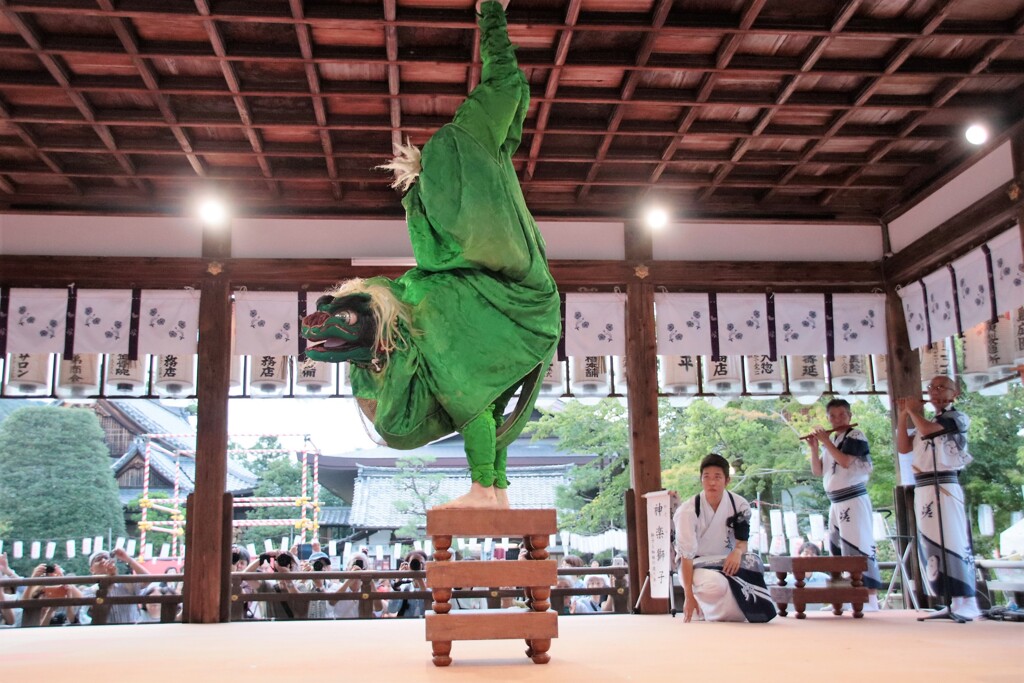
pixel 153 417
pixel 376 491
pixel 335 516
pixel 240 480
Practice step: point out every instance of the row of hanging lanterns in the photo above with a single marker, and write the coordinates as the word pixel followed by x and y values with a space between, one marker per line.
pixel 172 375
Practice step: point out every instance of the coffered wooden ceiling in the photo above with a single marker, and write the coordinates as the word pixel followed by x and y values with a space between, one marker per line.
pixel 784 109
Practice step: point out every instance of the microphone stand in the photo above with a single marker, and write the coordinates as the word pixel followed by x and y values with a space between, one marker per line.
pixel 948 612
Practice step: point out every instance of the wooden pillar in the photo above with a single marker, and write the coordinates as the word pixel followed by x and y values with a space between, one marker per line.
pixel 642 392
pixel 1017 153
pixel 904 367
pixel 206 596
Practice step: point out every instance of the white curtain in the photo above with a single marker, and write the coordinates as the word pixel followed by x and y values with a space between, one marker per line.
pixel 683 322
pixel 972 289
pixel 742 324
pixel 103 320
pixel 266 323
pixel 799 324
pixel 941 306
pixel 37 320
pixel 858 324
pixel 169 321
pixel 595 324
pixel 1008 269
pixel 913 311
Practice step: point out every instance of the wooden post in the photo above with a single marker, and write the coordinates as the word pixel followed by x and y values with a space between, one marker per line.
pixel 642 392
pixel 207 552
pixel 904 367
pixel 1017 154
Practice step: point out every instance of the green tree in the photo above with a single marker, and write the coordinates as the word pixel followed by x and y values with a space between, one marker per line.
pixel 57 483
pixel 419 486
pixel 994 477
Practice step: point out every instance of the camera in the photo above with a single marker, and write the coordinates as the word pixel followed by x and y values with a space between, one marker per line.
pixel 264 558
pixel 285 560
pixel 50 568
pixel 358 563
pixel 320 564
pixel 416 564
pixel 236 557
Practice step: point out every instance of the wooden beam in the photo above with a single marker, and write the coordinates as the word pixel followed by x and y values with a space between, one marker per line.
pixel 644 440
pixel 977 223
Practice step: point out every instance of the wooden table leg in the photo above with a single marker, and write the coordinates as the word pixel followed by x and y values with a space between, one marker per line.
pixel 800 607
pixel 537 546
pixel 538 650
pixel 442 548
pixel 837 609
pixel 442 650
pixel 782 608
pixel 442 600
pixel 799 576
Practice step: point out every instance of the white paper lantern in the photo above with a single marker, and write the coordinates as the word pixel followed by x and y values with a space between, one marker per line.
pixel 880 368
pixel 679 375
pixel 313 377
pixel 28 374
pixel 619 379
pixel 1000 347
pixel 79 375
pixel 934 361
pixel 268 375
pixel 817 534
pixel 849 374
pixel 590 375
pixel 976 374
pixel 722 376
pixel 175 374
pixel 806 377
pixel 553 383
pixel 124 376
pixel 764 376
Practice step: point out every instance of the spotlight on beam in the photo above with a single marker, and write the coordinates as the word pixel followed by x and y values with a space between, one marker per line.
pixel 656 218
pixel 213 211
pixel 976 134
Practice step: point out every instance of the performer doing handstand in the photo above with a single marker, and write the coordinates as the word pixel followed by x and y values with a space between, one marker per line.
pixel 445 347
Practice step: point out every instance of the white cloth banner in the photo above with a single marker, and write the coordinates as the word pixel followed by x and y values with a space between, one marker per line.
pixel 1007 268
pixel 659 542
pixel 169 321
pixel 858 323
pixel 266 323
pixel 941 306
pixel 683 324
pixel 742 324
pixel 913 312
pixel 37 320
pixel 595 324
pixel 972 289
pixel 103 320
pixel 800 324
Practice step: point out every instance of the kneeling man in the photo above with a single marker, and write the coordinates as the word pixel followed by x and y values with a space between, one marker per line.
pixel 722 582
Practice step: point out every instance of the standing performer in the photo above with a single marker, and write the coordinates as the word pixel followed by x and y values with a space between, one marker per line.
pixel 721 581
pixel 940 459
pixel 446 346
pixel 845 467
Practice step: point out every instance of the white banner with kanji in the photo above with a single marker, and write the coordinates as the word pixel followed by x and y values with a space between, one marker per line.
pixel 858 324
pixel 913 311
pixel 103 320
pixel 266 323
pixel 595 324
pixel 972 289
pixel 37 320
pixel 1008 270
pixel 169 321
pixel 684 324
pixel 799 324
pixel 659 542
pixel 742 324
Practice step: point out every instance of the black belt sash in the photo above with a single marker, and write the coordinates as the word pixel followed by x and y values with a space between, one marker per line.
pixel 848 493
pixel 931 478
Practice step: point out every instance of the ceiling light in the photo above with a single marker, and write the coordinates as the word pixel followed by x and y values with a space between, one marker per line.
pixel 213 211
pixel 977 134
pixel 656 218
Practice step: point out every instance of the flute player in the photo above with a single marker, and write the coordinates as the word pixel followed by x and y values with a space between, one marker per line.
pixel 845 467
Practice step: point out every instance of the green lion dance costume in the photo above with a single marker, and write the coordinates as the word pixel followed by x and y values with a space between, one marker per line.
pixel 444 347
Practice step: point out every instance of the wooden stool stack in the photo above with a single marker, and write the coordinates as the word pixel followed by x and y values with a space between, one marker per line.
pixel 537 626
pixel 836 593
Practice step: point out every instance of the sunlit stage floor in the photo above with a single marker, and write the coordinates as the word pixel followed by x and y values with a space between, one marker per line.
pixel 884 646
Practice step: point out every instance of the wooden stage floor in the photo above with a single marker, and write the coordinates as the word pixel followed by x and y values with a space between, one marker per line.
pixel 884 646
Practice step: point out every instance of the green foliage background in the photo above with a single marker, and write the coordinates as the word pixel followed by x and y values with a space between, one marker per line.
pixel 56 482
